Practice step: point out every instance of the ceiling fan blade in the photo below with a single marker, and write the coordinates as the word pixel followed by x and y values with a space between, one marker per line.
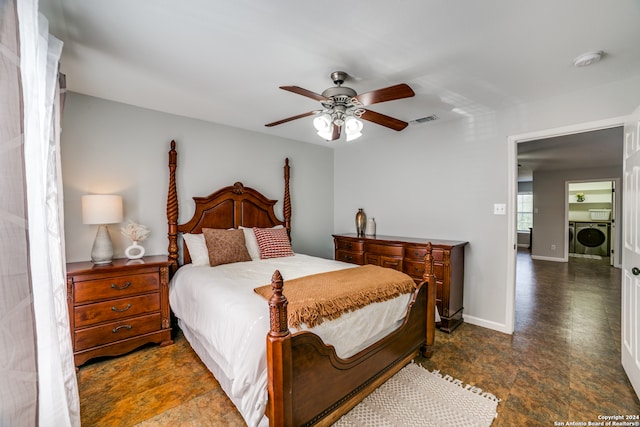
pixel 386 94
pixel 305 92
pixel 288 119
pixel 384 120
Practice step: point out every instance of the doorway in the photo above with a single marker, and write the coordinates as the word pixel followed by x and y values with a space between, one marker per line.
pixel 557 230
pixel 591 210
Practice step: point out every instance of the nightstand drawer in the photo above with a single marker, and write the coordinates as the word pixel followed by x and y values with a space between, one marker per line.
pixel 116 309
pixel 115 287
pixel 115 331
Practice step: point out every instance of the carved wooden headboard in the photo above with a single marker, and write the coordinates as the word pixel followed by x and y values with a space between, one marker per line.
pixel 228 207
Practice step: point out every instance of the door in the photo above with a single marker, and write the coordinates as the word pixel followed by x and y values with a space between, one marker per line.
pixel 631 252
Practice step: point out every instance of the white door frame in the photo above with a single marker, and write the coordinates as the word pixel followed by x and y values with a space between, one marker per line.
pixel 512 188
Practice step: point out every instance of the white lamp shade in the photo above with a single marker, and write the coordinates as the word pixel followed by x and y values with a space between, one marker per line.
pixel 101 209
pixel 323 123
pixel 353 128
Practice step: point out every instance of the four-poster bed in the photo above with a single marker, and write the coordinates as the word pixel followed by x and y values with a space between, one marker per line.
pixel 307 381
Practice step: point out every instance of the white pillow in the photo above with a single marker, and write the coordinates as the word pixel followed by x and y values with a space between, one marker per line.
pixel 251 242
pixel 197 248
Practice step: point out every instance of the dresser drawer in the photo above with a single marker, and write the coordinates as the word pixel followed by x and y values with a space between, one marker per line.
pixel 383 261
pixel 416 269
pixel 115 331
pixel 419 252
pixel 115 287
pixel 116 309
pixel 352 257
pixel 390 250
pixel 349 245
pixel 415 252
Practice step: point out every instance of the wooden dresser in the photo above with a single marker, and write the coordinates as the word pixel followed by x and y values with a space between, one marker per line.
pixel 407 254
pixel 116 308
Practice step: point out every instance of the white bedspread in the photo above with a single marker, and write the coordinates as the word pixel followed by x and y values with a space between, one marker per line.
pixel 230 321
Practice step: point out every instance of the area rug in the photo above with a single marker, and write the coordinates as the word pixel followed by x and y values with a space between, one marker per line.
pixel 417 397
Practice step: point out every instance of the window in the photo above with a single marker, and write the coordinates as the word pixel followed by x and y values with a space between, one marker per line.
pixel 525 211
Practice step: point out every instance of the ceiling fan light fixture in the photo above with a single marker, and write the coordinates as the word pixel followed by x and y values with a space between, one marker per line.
pixel 323 123
pixel 352 128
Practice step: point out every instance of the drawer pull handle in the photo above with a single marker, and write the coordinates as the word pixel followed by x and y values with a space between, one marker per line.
pixel 119 288
pixel 117 328
pixel 349 246
pixel 416 253
pixel 120 310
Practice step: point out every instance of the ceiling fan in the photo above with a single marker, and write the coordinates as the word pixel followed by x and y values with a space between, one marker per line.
pixel 342 108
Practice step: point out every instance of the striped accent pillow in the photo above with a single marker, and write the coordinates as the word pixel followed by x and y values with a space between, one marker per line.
pixel 273 242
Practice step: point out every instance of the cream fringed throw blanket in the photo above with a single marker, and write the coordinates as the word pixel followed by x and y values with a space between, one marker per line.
pixel 327 295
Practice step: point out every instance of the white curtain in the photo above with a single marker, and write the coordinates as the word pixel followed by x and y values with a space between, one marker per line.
pixel 36 351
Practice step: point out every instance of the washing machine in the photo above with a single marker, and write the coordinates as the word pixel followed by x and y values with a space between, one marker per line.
pixel 572 237
pixel 592 238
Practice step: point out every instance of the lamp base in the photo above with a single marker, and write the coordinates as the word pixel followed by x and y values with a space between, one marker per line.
pixel 102 250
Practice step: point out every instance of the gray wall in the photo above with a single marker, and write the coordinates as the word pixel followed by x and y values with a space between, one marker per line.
pixel 114 148
pixel 441 179
pixel 550 202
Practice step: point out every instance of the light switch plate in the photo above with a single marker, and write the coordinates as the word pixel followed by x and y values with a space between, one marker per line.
pixel 499 209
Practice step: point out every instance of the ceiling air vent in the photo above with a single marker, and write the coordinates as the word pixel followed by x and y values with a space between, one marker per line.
pixel 426 119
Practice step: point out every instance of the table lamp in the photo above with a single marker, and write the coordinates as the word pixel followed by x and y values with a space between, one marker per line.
pixel 102 209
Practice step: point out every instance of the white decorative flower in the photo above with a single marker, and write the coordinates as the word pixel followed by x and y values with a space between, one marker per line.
pixel 135 232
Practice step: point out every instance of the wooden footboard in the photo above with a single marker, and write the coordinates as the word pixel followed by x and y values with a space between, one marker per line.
pixel 310 385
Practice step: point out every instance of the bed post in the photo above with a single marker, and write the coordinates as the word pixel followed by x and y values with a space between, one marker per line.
pixel 172 209
pixel 287 198
pixel 430 281
pixel 279 365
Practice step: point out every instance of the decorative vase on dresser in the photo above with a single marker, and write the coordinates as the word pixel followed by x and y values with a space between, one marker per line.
pixel 361 221
pixel 407 254
pixel 113 309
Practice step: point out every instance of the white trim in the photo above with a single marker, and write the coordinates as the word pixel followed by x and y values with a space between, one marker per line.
pixel 549 258
pixel 500 327
pixel 512 188
pixel 512 238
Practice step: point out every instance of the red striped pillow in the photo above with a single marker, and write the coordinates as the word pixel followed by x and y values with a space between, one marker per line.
pixel 273 242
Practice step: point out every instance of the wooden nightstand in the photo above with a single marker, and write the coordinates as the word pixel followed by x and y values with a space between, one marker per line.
pixel 116 308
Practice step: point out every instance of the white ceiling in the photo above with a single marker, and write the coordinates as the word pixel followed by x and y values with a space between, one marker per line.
pixel 595 149
pixel 223 61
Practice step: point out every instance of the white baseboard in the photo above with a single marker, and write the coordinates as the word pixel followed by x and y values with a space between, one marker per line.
pixel 486 324
pixel 548 258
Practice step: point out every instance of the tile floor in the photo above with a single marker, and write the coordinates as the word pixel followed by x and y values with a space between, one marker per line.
pixel 561 365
